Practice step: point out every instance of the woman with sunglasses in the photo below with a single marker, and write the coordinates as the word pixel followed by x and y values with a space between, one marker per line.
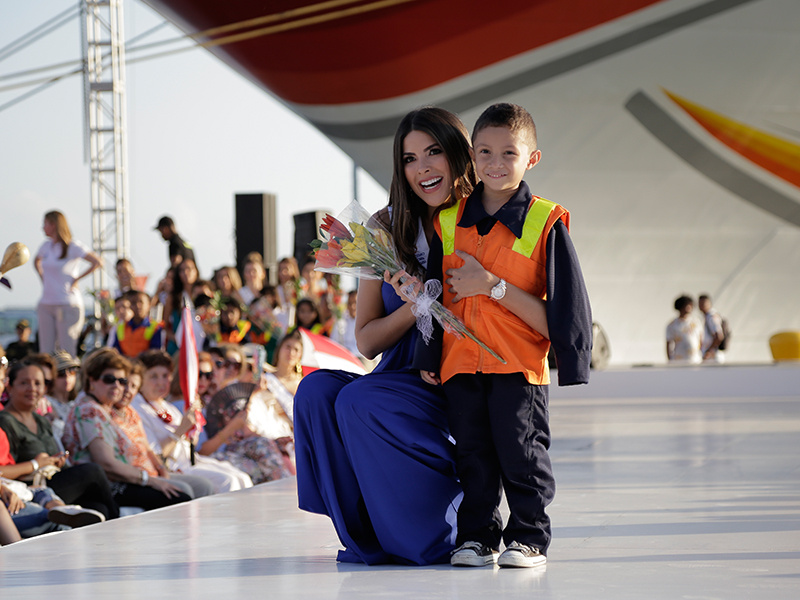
pixel 140 453
pixel 33 447
pixel 168 430
pixel 92 437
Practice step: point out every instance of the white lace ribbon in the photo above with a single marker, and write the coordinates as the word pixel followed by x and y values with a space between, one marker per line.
pixel 422 306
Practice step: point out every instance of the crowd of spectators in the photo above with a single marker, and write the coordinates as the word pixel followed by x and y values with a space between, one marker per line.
pixel 86 438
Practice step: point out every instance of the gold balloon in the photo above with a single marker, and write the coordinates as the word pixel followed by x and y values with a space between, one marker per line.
pixel 16 254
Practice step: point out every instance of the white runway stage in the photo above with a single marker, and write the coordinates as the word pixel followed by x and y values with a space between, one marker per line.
pixel 672 483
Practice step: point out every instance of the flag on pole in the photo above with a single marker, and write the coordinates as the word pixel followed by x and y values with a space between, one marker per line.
pixel 188 370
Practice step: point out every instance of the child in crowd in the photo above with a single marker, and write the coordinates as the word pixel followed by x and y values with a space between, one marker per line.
pixel 138 333
pixel 307 316
pixel 512 275
pixel 233 329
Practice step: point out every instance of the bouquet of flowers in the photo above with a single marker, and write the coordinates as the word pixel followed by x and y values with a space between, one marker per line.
pixel 263 317
pixel 364 249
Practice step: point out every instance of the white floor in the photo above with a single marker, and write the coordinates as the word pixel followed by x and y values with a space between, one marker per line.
pixel 660 495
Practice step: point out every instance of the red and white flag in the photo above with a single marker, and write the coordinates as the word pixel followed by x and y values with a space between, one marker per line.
pixel 189 369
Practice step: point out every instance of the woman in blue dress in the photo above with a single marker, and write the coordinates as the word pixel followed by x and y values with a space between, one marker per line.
pixel 373 451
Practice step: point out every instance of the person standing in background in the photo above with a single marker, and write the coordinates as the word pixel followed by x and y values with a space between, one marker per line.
pixel 58 263
pixel 684 334
pixel 178 250
pixel 713 334
pixel 23 346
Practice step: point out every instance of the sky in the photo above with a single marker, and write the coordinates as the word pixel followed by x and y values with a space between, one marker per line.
pixel 198 133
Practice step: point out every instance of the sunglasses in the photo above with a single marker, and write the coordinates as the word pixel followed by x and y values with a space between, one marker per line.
pixel 68 371
pixel 221 364
pixel 206 374
pixel 109 379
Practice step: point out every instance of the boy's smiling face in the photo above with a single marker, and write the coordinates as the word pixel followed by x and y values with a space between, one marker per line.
pixel 501 158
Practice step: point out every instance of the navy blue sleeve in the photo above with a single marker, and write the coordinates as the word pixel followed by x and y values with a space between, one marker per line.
pixel 569 315
pixel 428 357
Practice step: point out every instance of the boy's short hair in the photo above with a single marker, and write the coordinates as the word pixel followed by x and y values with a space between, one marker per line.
pixel 512 116
pixel 683 301
pixel 132 295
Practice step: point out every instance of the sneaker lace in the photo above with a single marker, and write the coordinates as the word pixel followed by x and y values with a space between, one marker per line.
pixel 476 546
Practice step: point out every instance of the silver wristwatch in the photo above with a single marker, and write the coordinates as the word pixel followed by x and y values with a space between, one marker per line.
pixel 498 291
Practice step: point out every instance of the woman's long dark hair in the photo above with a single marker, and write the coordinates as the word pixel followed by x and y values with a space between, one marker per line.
pixel 407 208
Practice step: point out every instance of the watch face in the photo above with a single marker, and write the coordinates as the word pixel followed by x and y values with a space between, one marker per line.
pixel 499 290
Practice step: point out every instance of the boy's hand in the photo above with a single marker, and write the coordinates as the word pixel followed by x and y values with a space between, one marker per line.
pixel 470 279
pixel 430 377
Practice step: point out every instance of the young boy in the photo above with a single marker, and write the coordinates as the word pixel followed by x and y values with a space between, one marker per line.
pixel 511 274
pixel 139 333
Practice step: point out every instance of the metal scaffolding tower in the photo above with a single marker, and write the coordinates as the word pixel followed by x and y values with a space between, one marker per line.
pixel 105 132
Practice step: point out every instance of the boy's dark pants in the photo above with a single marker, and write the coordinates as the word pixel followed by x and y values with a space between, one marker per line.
pixel 500 424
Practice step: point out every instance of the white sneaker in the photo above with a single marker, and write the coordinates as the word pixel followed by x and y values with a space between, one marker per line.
pixel 520 555
pixel 74 516
pixel 473 554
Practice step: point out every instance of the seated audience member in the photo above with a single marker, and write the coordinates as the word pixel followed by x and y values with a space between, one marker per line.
pixel 122 314
pixel 168 430
pixel 139 333
pixel 32 446
pixel 344 330
pixel 202 287
pixel 307 316
pixel 36 510
pixel 39 509
pixel 141 455
pixel 254 278
pixel 23 346
pixel 233 329
pixel 126 278
pixel 227 282
pixel 64 391
pixel 48 365
pixel 244 429
pixel 92 437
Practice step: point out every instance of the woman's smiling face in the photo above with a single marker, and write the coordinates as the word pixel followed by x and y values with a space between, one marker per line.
pixel 426 168
pixel 27 388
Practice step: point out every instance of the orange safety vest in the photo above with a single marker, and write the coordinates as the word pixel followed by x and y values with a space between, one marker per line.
pixel 132 342
pixel 521 262
pixel 237 335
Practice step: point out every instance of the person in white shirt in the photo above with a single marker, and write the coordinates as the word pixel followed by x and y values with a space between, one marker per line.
pixel 684 334
pixel 59 263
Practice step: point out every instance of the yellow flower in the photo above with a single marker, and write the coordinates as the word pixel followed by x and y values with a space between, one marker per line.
pixel 355 252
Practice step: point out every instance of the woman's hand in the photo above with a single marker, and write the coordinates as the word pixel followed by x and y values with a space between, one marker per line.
pixel 45 460
pixel 11 500
pixel 399 286
pixel 470 279
pixel 170 490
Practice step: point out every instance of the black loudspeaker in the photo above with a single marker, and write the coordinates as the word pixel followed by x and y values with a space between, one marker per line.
pixel 306 229
pixel 255 228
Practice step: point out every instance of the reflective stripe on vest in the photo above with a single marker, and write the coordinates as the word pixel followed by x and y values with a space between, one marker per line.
pixel 148 332
pixel 532 229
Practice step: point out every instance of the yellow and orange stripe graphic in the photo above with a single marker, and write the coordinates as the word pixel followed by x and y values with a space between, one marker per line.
pixel 775 154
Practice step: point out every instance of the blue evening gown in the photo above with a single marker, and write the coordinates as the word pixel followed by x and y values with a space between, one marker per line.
pixel 373 454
